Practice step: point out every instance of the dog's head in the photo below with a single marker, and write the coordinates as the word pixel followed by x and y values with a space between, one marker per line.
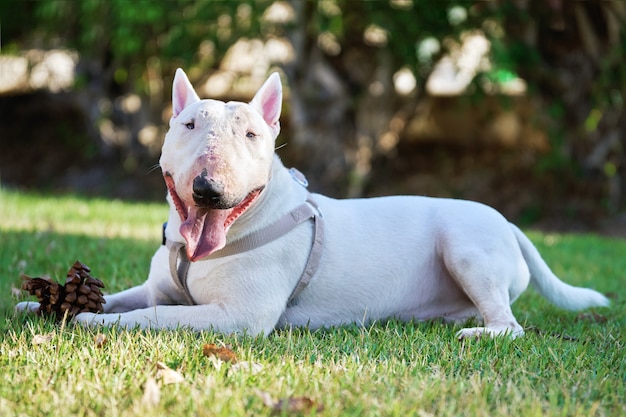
pixel 216 159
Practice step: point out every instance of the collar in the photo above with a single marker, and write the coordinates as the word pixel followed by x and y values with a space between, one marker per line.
pixel 309 210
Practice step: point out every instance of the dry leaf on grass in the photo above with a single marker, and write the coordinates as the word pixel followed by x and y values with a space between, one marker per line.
pixel 297 405
pixel 591 317
pixel 250 367
pixel 266 398
pixel 40 339
pixel 290 405
pixel 167 375
pixel 220 352
pixel 15 292
pixel 553 334
pixel 99 340
pixel 151 393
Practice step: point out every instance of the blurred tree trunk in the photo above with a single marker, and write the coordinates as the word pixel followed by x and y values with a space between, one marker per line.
pixel 320 109
pixel 581 80
pixel 342 102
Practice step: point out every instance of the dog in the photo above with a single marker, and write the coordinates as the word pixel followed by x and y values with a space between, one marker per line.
pixel 247 248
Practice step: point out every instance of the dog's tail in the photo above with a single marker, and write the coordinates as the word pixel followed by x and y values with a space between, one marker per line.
pixel 550 286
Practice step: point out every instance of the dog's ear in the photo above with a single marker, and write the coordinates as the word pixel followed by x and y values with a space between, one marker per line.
pixel 183 93
pixel 268 102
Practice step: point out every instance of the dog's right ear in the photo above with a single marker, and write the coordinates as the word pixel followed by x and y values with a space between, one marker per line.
pixel 183 93
pixel 268 102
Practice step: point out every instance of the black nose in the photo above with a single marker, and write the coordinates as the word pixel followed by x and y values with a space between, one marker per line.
pixel 207 192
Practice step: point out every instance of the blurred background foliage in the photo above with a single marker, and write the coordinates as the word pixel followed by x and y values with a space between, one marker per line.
pixel 519 104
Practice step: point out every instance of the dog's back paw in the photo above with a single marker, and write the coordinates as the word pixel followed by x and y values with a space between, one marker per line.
pixel 478 332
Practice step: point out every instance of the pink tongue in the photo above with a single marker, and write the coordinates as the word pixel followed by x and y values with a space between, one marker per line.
pixel 204 232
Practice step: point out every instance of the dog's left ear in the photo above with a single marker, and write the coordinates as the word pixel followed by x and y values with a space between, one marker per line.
pixel 268 102
pixel 183 93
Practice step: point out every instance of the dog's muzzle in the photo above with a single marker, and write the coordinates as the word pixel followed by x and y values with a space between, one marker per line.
pixel 309 210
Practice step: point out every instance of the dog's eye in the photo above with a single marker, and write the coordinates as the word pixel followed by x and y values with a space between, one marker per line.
pixel 190 125
pixel 250 135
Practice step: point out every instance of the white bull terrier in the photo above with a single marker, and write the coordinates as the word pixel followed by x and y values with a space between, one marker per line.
pixel 248 249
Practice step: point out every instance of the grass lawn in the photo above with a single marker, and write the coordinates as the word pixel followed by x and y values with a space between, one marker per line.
pixel 568 364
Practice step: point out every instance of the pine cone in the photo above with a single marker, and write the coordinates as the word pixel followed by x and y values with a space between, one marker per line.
pixel 47 291
pixel 81 293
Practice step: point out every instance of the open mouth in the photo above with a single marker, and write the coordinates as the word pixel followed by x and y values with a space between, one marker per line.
pixel 204 229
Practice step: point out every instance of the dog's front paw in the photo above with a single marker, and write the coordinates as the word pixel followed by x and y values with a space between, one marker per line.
pixel 95 319
pixel 85 319
pixel 27 307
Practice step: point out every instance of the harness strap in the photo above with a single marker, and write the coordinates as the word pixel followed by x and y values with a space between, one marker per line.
pixel 309 210
pixel 177 251
pixel 281 227
pixel 315 256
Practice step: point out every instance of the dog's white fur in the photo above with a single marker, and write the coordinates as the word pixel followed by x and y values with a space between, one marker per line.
pixel 392 257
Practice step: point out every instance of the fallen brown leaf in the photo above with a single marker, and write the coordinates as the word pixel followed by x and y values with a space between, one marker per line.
pixel 99 340
pixel 591 317
pixel 15 292
pixel 151 393
pixel 296 405
pixel 167 375
pixel 40 339
pixel 266 398
pixel 245 366
pixel 289 405
pixel 553 334
pixel 220 352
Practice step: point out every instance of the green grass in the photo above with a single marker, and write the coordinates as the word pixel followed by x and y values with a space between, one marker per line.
pixel 566 365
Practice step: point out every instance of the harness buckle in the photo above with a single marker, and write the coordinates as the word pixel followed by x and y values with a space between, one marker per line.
pixel 299 177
